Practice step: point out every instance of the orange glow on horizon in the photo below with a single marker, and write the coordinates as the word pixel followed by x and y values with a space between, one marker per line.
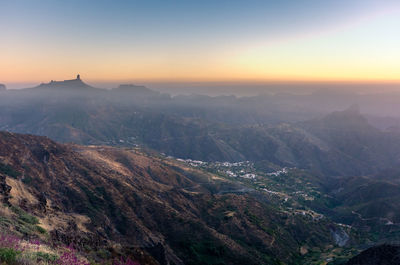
pixel 363 49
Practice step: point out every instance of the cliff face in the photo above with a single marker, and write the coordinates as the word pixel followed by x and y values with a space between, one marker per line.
pixel 156 210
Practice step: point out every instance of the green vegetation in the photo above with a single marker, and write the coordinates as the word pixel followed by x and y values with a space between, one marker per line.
pixel 205 252
pixel 41 229
pixel 24 216
pixel 9 171
pixel 9 255
pixel 23 222
pixel 46 257
pixel 302 200
pixel 254 212
pixel 27 180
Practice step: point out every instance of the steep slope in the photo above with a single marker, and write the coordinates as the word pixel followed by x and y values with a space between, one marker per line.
pixel 156 210
pixel 369 203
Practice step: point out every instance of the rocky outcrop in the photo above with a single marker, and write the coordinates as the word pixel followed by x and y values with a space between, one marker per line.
pixel 72 236
pixel 4 190
pixel 68 85
pixel 42 202
pixel 340 236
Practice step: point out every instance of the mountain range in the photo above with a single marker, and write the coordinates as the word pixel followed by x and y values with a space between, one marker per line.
pixel 194 179
pixel 134 115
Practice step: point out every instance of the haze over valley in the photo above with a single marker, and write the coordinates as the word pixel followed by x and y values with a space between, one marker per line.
pixel 203 132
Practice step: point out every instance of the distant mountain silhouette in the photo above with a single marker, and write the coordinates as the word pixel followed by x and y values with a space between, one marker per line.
pixel 348 119
pixel 123 92
pixel 141 91
pixel 2 87
pixel 72 84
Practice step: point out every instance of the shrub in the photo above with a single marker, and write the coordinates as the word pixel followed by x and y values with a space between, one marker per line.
pixel 24 216
pixel 104 254
pixel 8 255
pixel 9 171
pixel 27 180
pixel 127 261
pixel 46 257
pixel 41 229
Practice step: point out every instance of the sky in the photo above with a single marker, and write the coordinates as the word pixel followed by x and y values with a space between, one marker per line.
pixel 199 41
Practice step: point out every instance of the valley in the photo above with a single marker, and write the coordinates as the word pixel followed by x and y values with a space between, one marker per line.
pixel 199 132
pixel 160 180
pixel 161 204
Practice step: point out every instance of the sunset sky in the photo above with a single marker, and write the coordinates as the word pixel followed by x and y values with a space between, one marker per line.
pixel 186 41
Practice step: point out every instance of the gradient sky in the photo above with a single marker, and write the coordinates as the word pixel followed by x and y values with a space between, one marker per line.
pixel 218 40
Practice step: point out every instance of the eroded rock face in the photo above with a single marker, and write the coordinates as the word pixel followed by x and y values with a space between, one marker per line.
pixel 4 190
pixel 340 236
pixel 42 202
pixel 71 235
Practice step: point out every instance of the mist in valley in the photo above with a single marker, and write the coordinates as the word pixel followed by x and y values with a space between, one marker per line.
pixel 199 132
pixel 326 155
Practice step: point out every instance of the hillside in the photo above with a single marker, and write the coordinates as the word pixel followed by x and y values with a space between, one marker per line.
pixel 159 211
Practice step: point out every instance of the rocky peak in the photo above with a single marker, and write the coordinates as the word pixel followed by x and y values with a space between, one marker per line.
pixel 349 119
pixel 70 84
